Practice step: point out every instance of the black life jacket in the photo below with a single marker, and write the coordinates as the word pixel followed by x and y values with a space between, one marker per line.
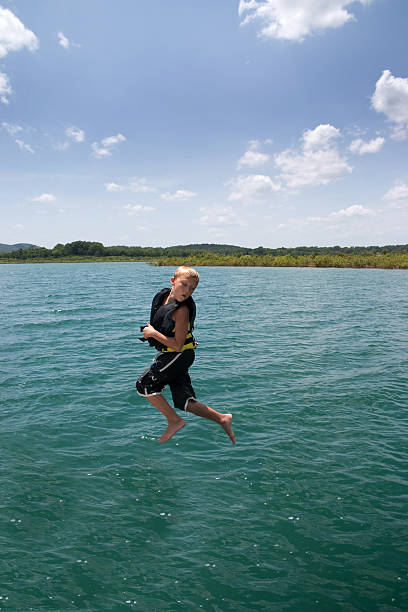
pixel 161 319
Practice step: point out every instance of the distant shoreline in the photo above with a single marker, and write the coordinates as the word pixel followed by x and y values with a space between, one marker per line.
pixel 387 261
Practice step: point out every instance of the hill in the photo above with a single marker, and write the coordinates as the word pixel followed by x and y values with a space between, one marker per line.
pixel 8 248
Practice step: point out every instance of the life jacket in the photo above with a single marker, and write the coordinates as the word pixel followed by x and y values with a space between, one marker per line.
pixel 160 318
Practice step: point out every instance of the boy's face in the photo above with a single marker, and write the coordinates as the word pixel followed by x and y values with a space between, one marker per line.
pixel 182 287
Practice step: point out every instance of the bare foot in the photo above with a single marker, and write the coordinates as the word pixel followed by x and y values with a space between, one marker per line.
pixel 172 428
pixel 226 424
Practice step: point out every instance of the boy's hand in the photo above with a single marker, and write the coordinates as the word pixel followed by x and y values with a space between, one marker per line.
pixel 148 331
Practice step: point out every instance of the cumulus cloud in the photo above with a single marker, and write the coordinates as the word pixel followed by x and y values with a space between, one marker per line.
pixel 352 214
pixel 249 188
pixel 253 157
pixel 23 146
pixel 317 162
pixel 357 210
pixel 296 19
pixel 14 36
pixel 391 98
pixel 397 195
pixel 216 217
pixel 320 138
pixel 105 148
pixel 134 209
pixel 44 197
pixel 75 134
pixel 180 194
pixel 5 88
pixel 361 147
pixel 138 185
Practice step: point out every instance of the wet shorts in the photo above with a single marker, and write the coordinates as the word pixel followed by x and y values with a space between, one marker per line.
pixel 169 369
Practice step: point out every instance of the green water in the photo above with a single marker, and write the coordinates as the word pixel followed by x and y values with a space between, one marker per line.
pixel 307 512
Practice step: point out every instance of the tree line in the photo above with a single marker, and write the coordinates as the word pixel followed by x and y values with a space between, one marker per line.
pixel 385 260
pixel 390 256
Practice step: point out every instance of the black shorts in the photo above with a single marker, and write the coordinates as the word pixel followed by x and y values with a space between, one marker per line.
pixel 169 369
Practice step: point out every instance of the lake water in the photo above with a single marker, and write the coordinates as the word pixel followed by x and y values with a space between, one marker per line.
pixel 308 511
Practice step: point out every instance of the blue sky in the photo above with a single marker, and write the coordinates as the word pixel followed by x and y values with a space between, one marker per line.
pixel 149 122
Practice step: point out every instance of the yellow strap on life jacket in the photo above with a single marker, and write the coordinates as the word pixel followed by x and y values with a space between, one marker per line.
pixel 189 343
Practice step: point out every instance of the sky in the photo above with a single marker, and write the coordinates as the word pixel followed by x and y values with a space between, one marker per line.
pixel 154 123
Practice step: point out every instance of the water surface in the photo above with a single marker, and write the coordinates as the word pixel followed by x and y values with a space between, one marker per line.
pixel 307 511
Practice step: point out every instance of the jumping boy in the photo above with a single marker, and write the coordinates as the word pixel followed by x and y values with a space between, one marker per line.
pixel 170 332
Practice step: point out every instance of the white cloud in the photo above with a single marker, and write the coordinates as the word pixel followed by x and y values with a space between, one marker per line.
pixel 134 209
pixel 400 132
pixel 63 40
pixel 356 211
pixel 136 185
pixel 295 19
pixel 99 152
pixel 5 88
pixel 12 129
pixel 320 138
pixel 216 217
pixel 114 187
pixel 253 157
pixel 361 147
pixel 13 34
pixel 105 149
pixel 391 98
pixel 111 141
pixel 140 186
pixel 317 163
pixel 397 195
pixel 75 134
pixel 66 42
pixel 23 146
pixel 248 188
pixel 45 197
pixel 180 194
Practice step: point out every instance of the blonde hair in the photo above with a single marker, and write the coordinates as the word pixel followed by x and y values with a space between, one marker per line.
pixel 187 271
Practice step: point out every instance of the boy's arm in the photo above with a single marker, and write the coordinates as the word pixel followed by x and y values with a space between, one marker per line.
pixel 181 319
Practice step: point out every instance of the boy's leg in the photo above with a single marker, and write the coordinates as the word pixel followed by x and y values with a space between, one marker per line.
pixel 150 385
pixel 175 422
pixel 201 410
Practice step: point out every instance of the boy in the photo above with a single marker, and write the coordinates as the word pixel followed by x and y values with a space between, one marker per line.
pixel 170 332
